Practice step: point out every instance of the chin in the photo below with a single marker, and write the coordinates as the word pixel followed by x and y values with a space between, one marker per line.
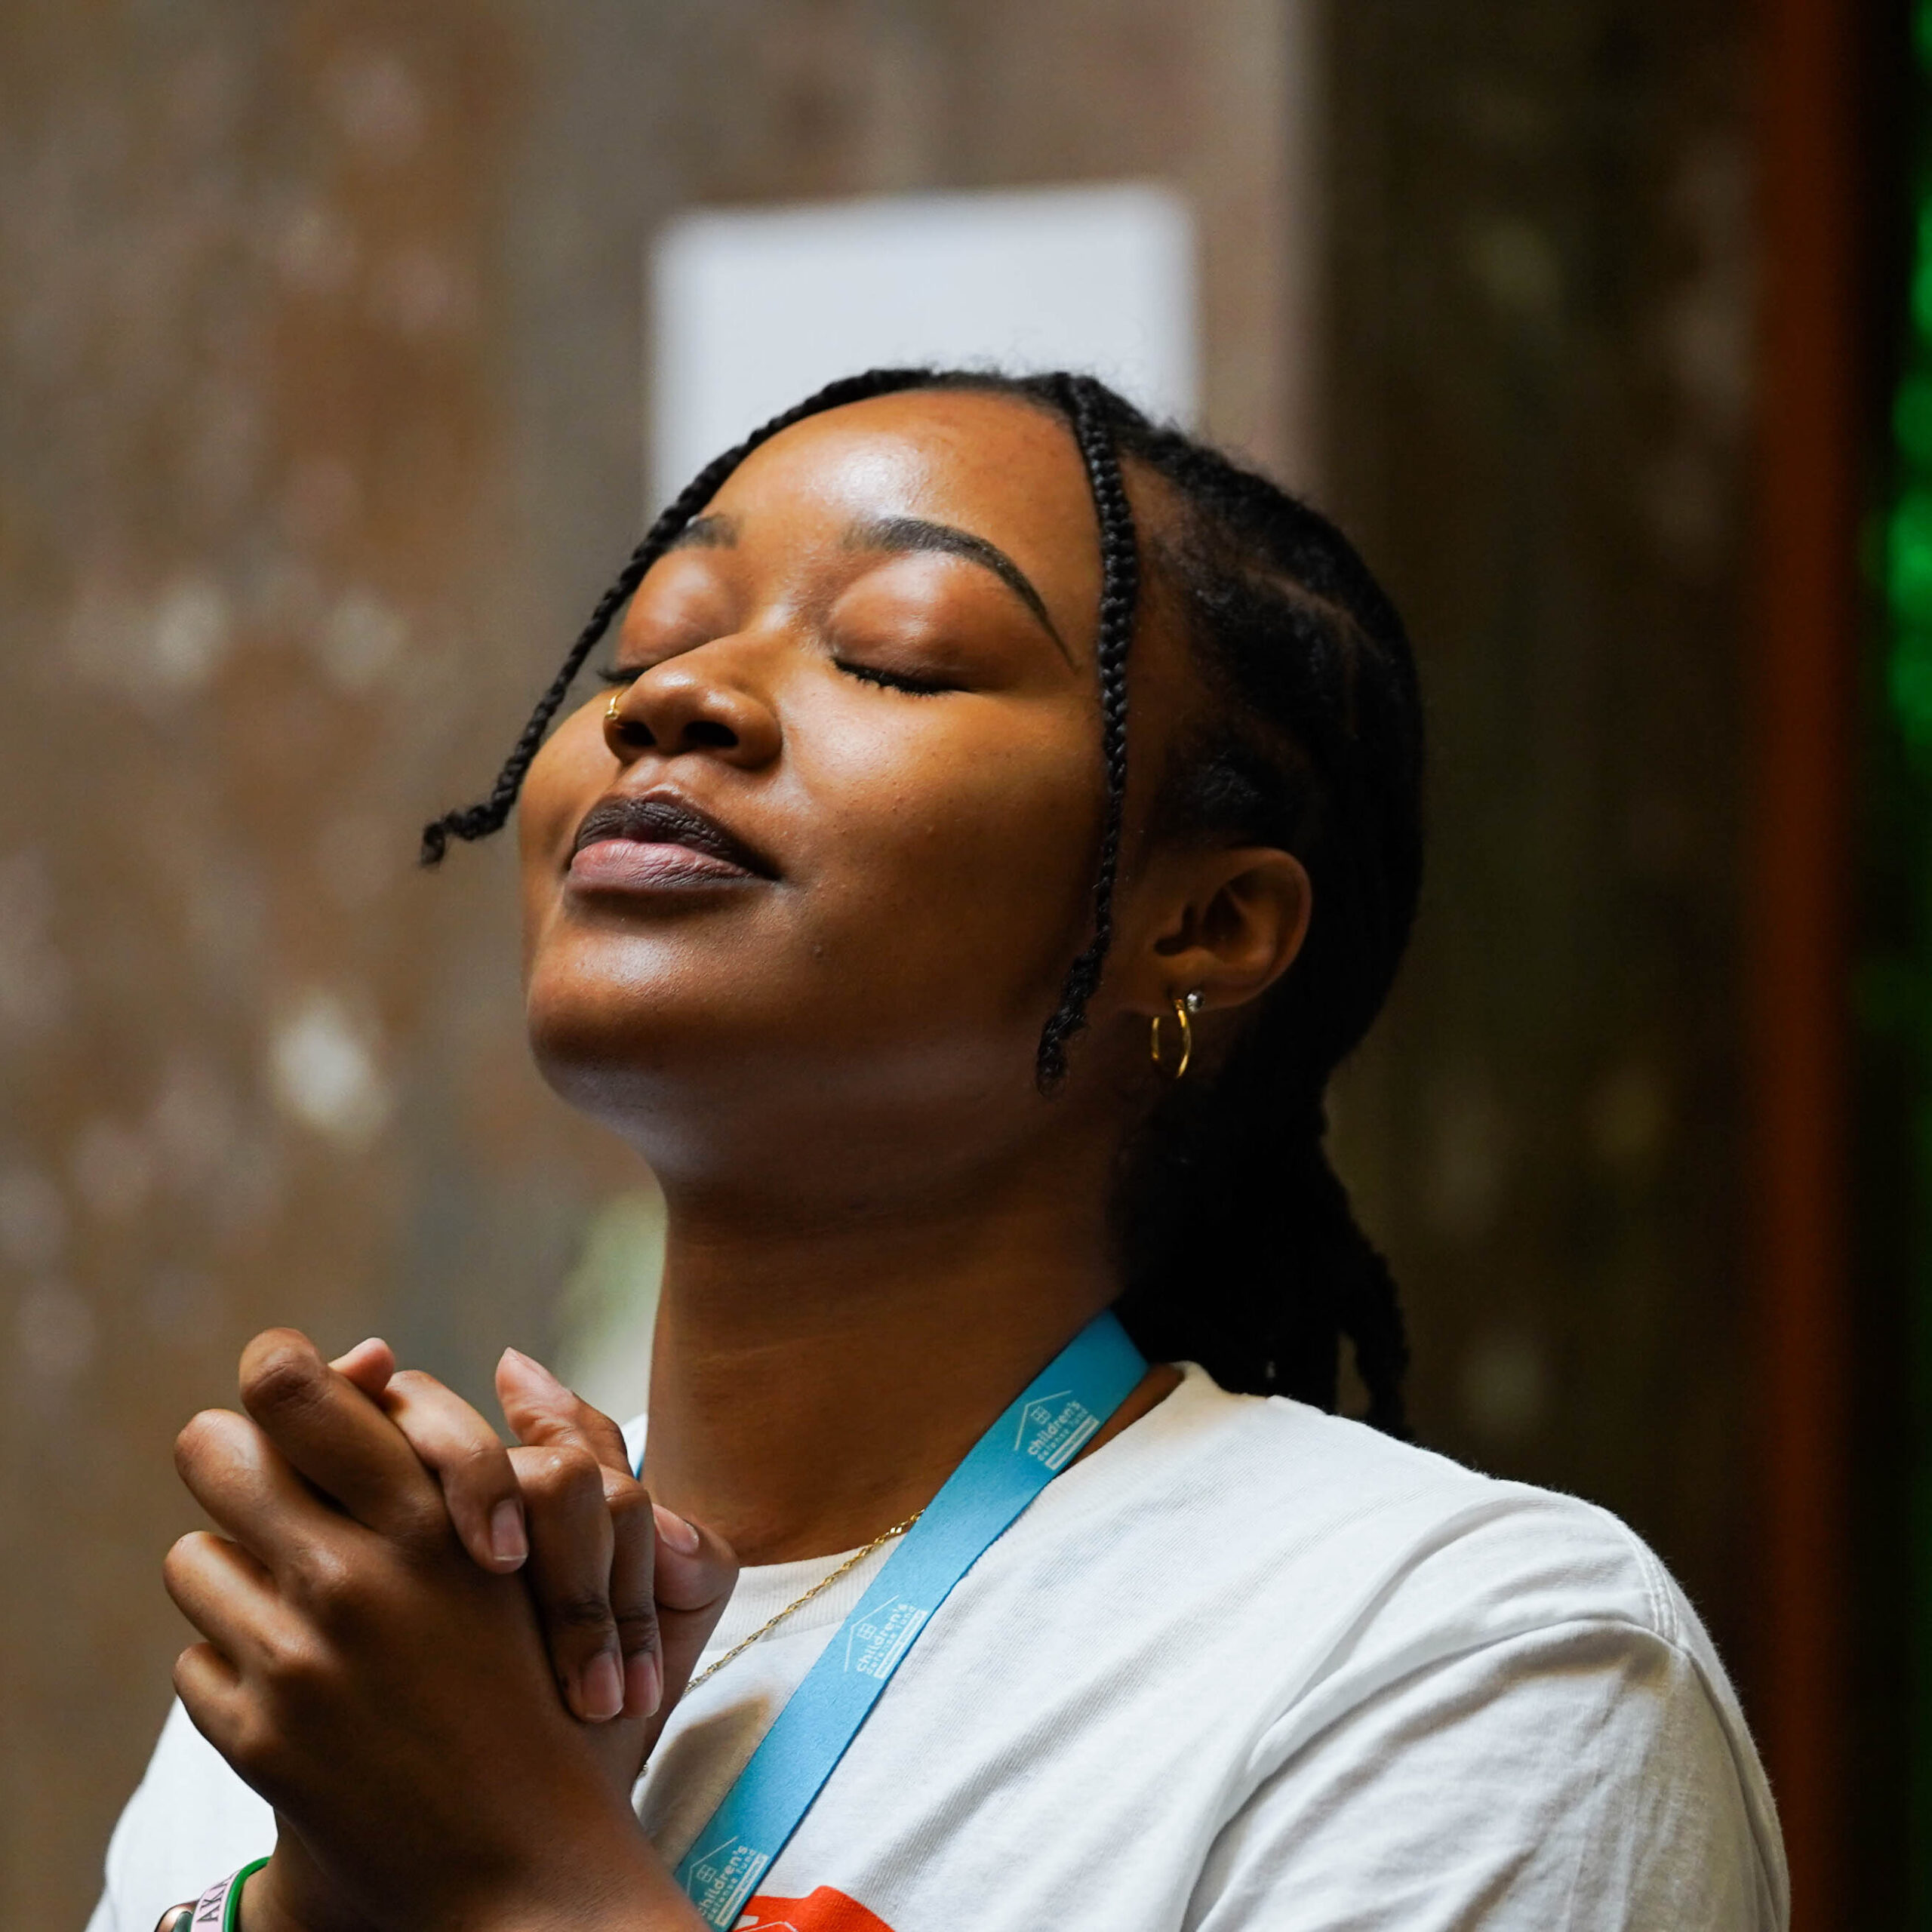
pixel 623 1080
pixel 650 1057
pixel 590 1030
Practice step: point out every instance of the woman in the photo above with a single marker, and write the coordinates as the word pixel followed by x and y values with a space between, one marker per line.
pixel 801 895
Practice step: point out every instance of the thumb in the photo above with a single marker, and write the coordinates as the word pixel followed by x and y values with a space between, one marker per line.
pixel 542 1412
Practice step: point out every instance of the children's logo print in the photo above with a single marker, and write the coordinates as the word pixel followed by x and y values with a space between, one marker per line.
pixel 721 1879
pixel 1052 1427
pixel 877 1636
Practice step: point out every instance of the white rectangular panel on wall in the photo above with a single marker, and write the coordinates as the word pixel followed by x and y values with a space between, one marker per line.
pixel 754 308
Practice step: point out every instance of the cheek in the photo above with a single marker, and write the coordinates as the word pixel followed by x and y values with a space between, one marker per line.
pixel 569 774
pixel 960 845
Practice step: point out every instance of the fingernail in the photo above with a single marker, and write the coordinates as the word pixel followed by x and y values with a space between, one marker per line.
pixel 535 1367
pixel 675 1531
pixel 601 1688
pixel 508 1543
pixel 644 1684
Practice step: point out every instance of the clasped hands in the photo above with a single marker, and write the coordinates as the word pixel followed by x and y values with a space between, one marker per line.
pixel 443 1662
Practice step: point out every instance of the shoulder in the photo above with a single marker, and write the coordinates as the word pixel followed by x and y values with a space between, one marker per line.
pixel 1319 1538
pixel 1382 1606
pixel 1294 1479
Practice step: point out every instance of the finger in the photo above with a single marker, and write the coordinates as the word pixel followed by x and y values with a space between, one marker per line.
pixel 571 1544
pixel 210 1690
pixel 335 1436
pixel 633 1596
pixel 469 1460
pixel 540 1409
pixel 696 1568
pixel 229 1597
pixel 244 1483
pixel 695 1575
pixel 369 1365
pixel 222 1707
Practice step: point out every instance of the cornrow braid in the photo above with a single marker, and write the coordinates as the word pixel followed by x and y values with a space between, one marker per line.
pixel 1241 1246
pixel 1080 398
pixel 1241 1251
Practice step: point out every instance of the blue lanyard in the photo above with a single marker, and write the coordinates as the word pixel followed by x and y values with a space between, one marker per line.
pixel 1032 1442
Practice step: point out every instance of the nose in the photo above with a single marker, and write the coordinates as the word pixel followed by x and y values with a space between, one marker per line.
pixel 685 705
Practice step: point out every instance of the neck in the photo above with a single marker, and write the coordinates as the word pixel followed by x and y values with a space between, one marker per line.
pixel 814 1381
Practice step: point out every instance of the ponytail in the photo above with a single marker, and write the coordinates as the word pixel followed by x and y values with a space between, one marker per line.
pixel 1242 1249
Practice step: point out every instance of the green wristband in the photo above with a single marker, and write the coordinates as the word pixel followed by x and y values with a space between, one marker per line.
pixel 218 1909
pixel 231 1910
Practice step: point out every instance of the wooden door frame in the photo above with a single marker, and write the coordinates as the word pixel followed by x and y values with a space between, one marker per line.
pixel 1800 681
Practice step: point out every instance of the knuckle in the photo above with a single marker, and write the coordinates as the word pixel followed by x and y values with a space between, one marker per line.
pixel 626 1498
pixel 177 1567
pixel 423 1526
pixel 581 1613
pixel 317 1578
pixel 183 1676
pixel 480 1463
pixel 281 1372
pixel 182 1552
pixel 637 1629
pixel 561 1475
pixel 258 1747
pixel 203 1437
pixel 299 1666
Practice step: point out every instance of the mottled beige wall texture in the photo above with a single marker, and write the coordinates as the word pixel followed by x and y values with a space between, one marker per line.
pixel 320 424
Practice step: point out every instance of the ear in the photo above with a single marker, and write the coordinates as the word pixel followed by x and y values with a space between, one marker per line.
pixel 1226 922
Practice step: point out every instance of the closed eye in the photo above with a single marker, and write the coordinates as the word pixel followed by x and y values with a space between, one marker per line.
pixel 866 674
pixel 895 681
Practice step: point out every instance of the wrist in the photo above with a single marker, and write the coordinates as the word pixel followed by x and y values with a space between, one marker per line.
pixel 620 1885
pixel 276 1899
pixel 217 1909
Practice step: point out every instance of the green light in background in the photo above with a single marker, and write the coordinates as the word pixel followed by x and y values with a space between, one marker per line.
pixel 1912 420
pixel 1909 556
pixel 1893 993
pixel 1909 528
pixel 1909 589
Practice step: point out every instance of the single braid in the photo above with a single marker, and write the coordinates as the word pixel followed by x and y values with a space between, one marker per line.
pixel 1361 1290
pixel 1080 398
pixel 480 820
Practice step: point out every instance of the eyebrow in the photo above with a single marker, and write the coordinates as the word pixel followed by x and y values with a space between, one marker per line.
pixel 715 532
pixel 904 534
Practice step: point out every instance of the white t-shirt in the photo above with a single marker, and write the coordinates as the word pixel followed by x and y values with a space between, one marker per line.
pixel 1247 1666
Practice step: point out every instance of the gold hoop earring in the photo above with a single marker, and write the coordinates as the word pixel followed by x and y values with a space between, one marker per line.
pixel 1184 1012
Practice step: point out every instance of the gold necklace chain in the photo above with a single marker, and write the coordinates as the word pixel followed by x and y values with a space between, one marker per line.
pixel 824 1583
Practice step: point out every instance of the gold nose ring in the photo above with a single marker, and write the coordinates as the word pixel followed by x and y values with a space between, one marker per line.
pixel 610 710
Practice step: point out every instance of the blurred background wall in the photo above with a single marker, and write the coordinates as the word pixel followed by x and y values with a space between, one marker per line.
pixel 324 327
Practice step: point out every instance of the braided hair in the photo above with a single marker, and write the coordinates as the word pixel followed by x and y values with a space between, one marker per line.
pixel 1241 1251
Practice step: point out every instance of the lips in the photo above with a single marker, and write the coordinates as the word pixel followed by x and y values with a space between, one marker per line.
pixel 658 840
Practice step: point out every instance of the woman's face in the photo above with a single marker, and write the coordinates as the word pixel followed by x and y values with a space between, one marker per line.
pixel 834 856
